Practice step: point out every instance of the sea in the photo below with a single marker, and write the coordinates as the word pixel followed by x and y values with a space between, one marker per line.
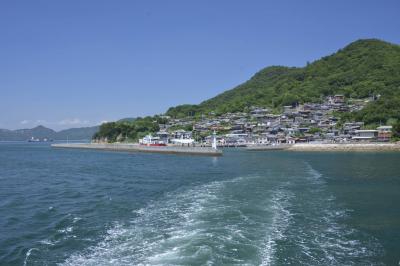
pixel 86 207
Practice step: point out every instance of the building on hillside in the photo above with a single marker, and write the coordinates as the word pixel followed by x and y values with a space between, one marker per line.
pixel 338 98
pixel 365 134
pixel 182 134
pixel 351 127
pixel 163 136
pixel 384 133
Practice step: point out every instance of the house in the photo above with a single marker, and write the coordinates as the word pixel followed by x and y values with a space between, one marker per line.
pixel 351 127
pixel 365 134
pixel 332 134
pixel 182 134
pixel 257 111
pixel 287 109
pixel 290 140
pixel 384 133
pixel 163 136
pixel 303 129
pixel 338 98
pixel 290 131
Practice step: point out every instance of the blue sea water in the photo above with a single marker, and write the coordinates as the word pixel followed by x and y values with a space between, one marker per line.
pixel 83 207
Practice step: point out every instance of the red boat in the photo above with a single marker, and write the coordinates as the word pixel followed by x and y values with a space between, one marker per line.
pixel 155 144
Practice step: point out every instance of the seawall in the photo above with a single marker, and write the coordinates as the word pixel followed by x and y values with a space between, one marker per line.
pixel 207 151
pixel 327 147
pixel 372 147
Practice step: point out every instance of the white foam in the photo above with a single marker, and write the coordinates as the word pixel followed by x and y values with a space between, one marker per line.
pixel 76 219
pixel 68 229
pixel 213 223
pixel 28 254
pixel 48 242
pixel 326 239
pixel 275 231
pixel 182 227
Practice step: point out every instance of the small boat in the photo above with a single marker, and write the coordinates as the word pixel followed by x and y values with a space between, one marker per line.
pixel 149 140
pixel 155 144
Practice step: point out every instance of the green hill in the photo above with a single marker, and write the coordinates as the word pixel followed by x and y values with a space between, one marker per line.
pixel 363 68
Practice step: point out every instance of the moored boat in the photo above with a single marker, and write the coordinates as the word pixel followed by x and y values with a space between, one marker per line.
pixel 149 140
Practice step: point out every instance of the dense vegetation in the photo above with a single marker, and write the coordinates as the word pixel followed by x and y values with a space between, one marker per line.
pixel 131 130
pixel 361 69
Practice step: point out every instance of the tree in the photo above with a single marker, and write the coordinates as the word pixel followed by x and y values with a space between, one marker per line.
pixel 396 131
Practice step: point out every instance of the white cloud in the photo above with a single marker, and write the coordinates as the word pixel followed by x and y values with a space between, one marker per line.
pixel 73 121
pixel 101 122
pixel 62 124
pixel 33 122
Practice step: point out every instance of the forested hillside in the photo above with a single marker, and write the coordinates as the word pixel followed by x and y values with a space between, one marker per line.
pixel 361 69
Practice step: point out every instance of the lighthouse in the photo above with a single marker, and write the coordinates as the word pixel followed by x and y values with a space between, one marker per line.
pixel 214 141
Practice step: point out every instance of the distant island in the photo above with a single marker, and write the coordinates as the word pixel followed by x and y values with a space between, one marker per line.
pixel 41 133
pixel 351 95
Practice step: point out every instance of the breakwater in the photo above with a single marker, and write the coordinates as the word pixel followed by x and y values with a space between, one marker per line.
pixel 268 147
pixel 208 151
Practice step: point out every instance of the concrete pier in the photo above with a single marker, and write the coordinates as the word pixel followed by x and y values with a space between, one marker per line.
pixel 207 151
pixel 268 147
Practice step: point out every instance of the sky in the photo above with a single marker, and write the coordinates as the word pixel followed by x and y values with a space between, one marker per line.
pixel 78 63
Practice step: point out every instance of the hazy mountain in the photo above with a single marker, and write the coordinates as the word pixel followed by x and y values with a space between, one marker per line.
pixel 42 132
pixel 77 133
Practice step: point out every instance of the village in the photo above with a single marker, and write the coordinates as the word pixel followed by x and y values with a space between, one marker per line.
pixel 298 123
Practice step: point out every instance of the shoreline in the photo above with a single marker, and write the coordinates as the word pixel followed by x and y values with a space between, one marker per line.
pixel 183 150
pixel 329 147
pixel 208 151
pixel 351 147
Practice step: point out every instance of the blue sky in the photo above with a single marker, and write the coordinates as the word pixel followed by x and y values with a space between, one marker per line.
pixel 76 63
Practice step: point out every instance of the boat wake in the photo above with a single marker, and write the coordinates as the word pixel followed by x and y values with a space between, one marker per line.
pixel 211 224
pixel 319 235
pixel 271 219
pixel 275 231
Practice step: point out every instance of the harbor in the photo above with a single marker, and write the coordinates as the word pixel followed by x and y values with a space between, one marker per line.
pixel 184 150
